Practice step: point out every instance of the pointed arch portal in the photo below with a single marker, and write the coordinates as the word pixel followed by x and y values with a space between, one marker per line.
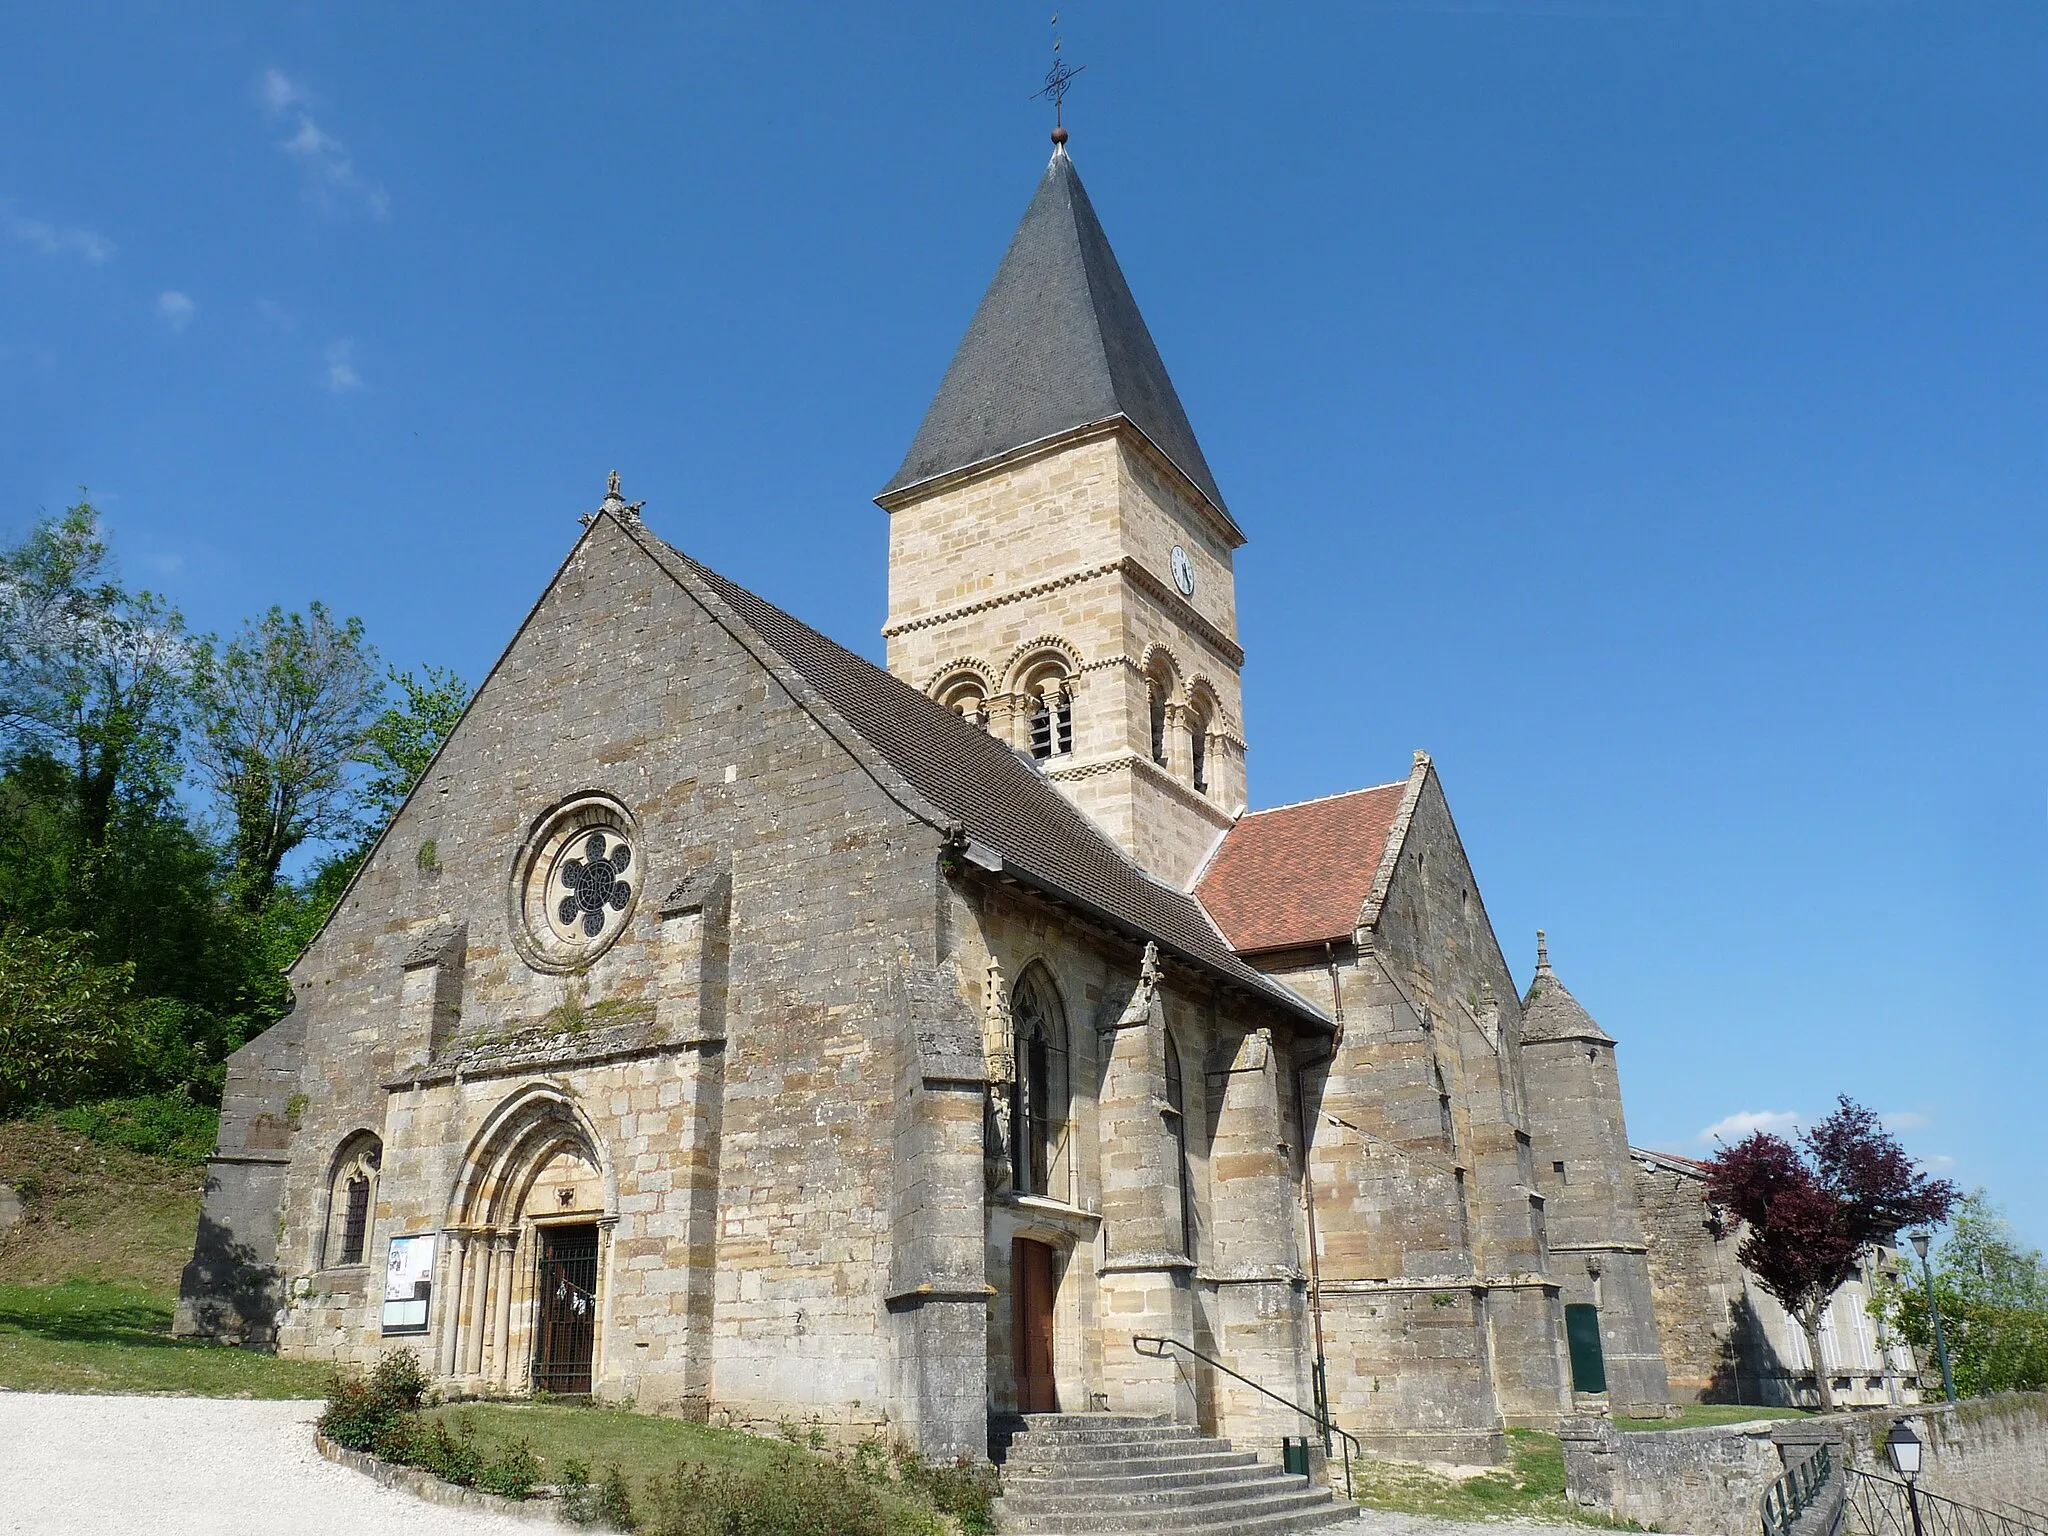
pixel 528 1232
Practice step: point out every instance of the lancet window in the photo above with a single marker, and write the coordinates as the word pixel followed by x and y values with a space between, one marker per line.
pixel 352 1200
pixel 1039 1164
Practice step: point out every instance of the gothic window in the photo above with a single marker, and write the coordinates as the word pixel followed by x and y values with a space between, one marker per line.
pixel 351 1200
pixel 1177 1123
pixel 1038 1152
pixel 575 884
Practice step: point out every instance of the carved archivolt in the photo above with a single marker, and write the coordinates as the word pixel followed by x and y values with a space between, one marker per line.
pixel 1037 656
pixel 961 669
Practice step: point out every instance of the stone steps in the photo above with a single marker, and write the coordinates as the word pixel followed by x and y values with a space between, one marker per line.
pixel 1072 1473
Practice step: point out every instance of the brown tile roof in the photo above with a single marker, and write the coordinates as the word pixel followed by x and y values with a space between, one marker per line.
pixel 996 797
pixel 1299 874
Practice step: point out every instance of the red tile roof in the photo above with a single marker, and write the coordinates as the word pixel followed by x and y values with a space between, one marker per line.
pixel 1299 874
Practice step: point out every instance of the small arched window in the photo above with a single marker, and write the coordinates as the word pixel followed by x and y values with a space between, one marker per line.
pixel 1038 1153
pixel 1177 1123
pixel 1052 719
pixel 352 1200
pixel 1198 743
pixel 1156 691
pixel 966 697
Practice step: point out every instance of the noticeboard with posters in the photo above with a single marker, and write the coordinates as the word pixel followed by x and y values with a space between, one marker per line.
pixel 408 1284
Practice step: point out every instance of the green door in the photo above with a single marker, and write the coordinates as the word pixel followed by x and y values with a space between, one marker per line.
pixel 1582 1332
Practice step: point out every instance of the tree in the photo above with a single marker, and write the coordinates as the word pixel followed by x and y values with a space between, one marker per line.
pixel 285 708
pixel 69 1028
pixel 404 738
pixel 1811 1209
pixel 91 675
pixel 1993 1296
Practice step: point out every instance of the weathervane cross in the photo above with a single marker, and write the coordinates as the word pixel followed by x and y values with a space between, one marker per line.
pixel 1056 81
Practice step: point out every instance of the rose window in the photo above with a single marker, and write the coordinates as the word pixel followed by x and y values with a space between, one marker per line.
pixel 597 885
pixel 575 883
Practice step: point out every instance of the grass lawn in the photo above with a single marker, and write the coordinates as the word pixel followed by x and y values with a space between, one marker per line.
pixel 1529 1488
pixel 90 1336
pixel 89 1277
pixel 1705 1415
pixel 641 1443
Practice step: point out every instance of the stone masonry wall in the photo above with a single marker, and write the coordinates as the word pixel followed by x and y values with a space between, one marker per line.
pixel 621 682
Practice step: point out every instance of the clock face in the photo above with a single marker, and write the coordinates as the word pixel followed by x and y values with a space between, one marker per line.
pixel 1183 572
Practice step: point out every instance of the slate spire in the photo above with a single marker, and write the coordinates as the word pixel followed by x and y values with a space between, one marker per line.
pixel 1057 343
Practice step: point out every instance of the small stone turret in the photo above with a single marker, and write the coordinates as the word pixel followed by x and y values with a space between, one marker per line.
pixel 1597 1248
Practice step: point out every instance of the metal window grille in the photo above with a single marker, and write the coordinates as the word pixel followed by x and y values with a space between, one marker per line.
pixel 355 1222
pixel 566 1303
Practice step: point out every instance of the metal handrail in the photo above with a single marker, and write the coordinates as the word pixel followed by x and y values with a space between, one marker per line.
pixel 1788 1498
pixel 1328 1426
pixel 1874 1509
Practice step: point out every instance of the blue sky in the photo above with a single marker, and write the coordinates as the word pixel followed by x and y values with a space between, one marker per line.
pixel 1637 405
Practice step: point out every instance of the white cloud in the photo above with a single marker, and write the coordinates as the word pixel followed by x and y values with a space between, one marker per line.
pixel 1777 1122
pixel 174 309
pixel 54 239
pixel 1905 1120
pixel 341 370
pixel 332 182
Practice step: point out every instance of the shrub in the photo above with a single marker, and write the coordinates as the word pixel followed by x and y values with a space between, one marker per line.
pixel 513 1473
pixel 964 1489
pixel 609 1504
pixel 400 1380
pixel 794 1495
pixel 452 1458
pixel 357 1416
pixel 162 1125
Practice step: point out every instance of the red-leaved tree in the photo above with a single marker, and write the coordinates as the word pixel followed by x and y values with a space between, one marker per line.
pixel 1812 1208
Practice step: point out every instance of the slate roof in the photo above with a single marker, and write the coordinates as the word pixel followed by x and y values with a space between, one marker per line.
pixel 1550 1012
pixel 1057 343
pixel 1299 874
pixel 998 799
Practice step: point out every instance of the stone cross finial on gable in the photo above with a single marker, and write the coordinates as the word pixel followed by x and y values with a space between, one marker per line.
pixel 615 503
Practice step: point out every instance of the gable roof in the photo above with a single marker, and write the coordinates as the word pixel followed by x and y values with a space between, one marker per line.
pixel 1300 874
pixel 1550 1012
pixel 999 801
pixel 1057 343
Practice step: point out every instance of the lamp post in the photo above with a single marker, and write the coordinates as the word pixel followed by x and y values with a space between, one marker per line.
pixel 1948 1381
pixel 1903 1447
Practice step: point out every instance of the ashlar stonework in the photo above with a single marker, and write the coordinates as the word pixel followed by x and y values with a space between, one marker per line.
pixel 731 1026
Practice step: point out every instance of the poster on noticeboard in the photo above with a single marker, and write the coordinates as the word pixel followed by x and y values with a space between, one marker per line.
pixel 408 1284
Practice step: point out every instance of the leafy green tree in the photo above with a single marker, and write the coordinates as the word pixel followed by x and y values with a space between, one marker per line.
pixel 70 1028
pixel 1993 1295
pixel 285 709
pixel 92 676
pixel 404 738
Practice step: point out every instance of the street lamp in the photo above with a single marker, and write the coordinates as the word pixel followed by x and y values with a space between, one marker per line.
pixel 1903 1447
pixel 1948 1381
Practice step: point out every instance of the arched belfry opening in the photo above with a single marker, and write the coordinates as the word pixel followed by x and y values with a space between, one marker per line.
pixel 529 1229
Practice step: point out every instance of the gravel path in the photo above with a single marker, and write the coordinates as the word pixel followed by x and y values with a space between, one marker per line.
pixel 196 1466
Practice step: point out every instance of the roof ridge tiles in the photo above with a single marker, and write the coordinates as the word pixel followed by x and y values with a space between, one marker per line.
pixel 1341 794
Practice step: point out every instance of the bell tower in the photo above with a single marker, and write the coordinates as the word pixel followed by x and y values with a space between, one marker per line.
pixel 1060 558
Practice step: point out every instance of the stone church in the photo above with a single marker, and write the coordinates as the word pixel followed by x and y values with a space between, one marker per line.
pixel 732 1026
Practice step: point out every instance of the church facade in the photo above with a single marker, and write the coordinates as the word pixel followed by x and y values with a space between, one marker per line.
pixel 732 1026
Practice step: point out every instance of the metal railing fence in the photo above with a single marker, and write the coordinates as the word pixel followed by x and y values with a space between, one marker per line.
pixel 1326 1425
pixel 1884 1506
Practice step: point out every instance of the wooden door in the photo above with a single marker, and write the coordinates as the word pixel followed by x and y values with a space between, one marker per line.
pixel 1031 1272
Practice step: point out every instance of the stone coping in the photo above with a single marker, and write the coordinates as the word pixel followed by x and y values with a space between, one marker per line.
pixel 424 1485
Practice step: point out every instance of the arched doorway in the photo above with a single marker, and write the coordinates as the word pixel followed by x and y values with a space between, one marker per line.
pixel 1033 1268
pixel 528 1226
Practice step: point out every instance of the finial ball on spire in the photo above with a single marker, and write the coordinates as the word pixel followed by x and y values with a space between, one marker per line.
pixel 1059 135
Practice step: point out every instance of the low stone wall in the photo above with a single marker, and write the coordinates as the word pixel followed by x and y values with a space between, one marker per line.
pixel 1987 1451
pixel 1991 1452
pixel 1707 1481
pixel 424 1485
